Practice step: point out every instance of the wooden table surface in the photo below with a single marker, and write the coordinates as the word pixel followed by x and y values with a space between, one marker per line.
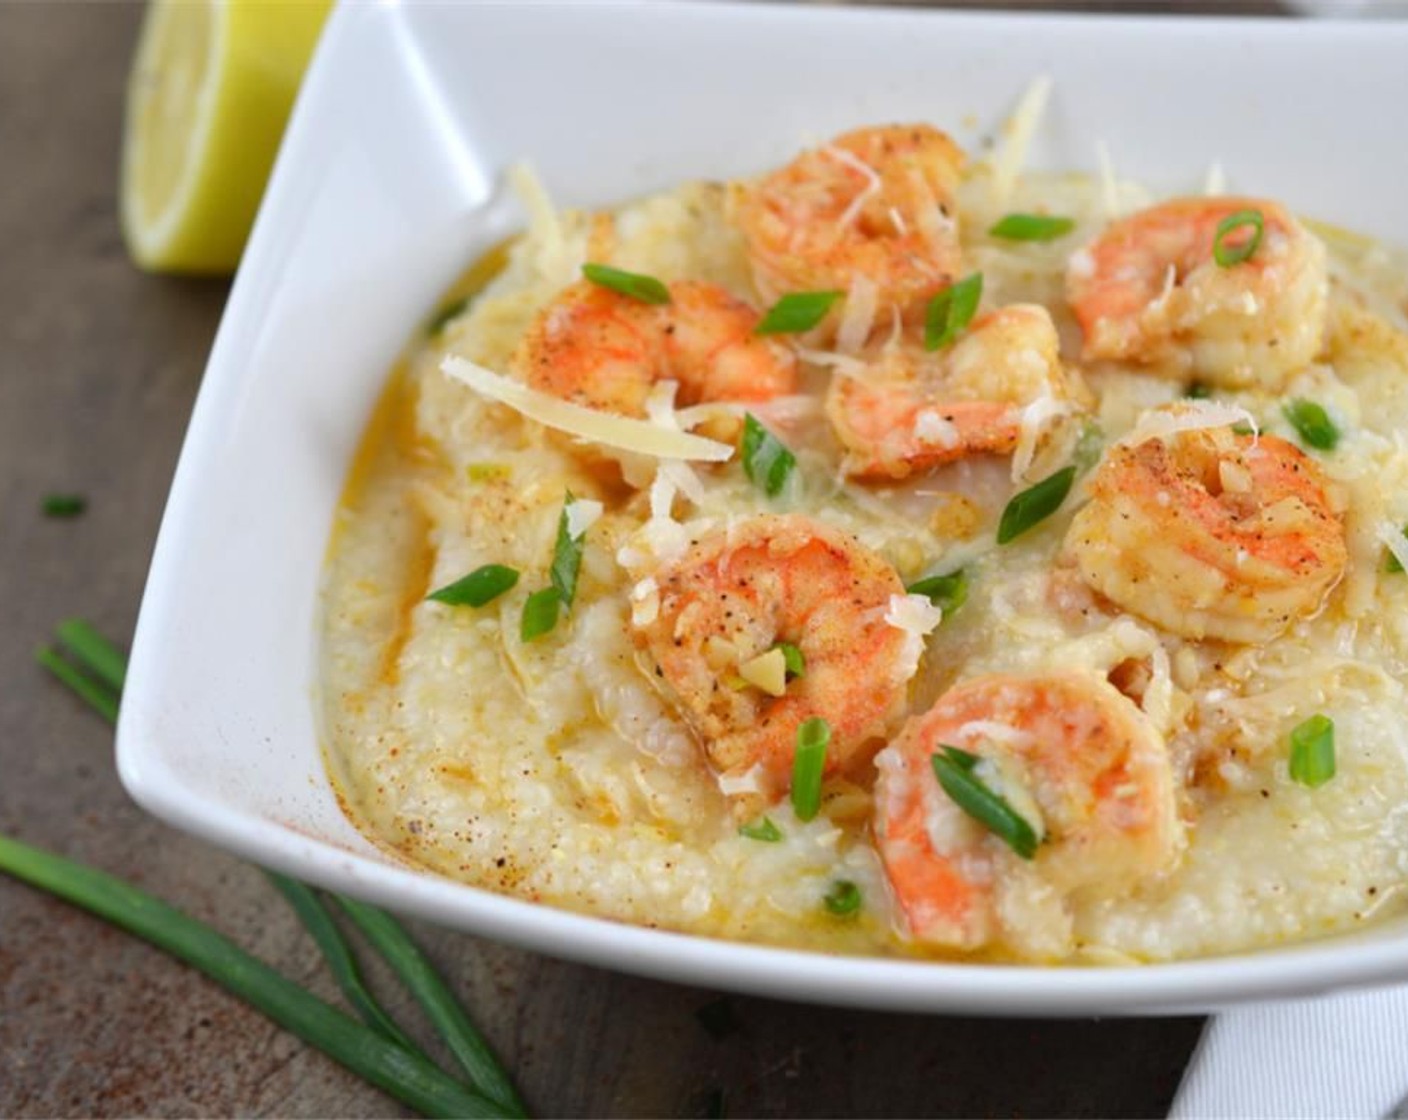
pixel 99 366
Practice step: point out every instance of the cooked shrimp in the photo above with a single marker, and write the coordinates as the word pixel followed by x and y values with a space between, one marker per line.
pixel 912 410
pixel 1149 290
pixel 1211 534
pixel 1079 761
pixel 603 350
pixel 738 592
pixel 876 202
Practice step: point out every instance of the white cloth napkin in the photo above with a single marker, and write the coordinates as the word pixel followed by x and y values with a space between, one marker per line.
pixel 1336 1056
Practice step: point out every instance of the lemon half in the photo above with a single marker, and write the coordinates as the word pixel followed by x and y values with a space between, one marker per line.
pixel 210 91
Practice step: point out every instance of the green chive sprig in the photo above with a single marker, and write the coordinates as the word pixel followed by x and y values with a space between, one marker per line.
pixel 637 286
pixel 843 899
pixel 808 764
pixel 63 505
pixel 380 1052
pixel 797 312
pixel 390 1067
pixel 1392 563
pixel 1034 505
pixel 763 830
pixel 1313 424
pixel 1227 247
pixel 947 592
pixel 792 658
pixel 542 608
pixel 950 312
pixel 954 769
pixel 1312 761
pixel 1032 227
pixel 766 460
pixel 481 587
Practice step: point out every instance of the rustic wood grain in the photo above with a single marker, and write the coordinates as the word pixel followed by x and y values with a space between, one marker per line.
pixel 98 369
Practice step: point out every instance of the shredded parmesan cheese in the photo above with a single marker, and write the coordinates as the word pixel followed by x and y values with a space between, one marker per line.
pixel 1186 416
pixel 916 617
pixel 750 781
pixel 872 185
pixel 1035 419
pixel 1012 153
pixel 620 432
pixel 858 317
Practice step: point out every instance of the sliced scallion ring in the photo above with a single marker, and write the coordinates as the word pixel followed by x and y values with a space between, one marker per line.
pixel 1313 424
pixel 954 769
pixel 950 312
pixel 766 460
pixel 947 592
pixel 1312 761
pixel 481 586
pixel 1034 505
pixel 808 764
pixel 647 289
pixel 797 312
pixel 1227 249
pixel 843 899
pixel 1032 227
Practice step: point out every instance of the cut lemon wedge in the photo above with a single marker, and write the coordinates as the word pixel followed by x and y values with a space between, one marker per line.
pixel 210 91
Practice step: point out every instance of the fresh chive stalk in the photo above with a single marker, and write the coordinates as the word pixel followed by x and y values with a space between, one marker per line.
pixel 566 557
pixel 1312 761
pixel 954 769
pixel 797 312
pixel 763 830
pixel 947 592
pixel 340 960
pixel 1313 424
pixel 647 289
pixel 390 1067
pixel 480 587
pixel 950 312
pixel 808 764
pixel 423 1087
pixel 390 939
pixel 766 460
pixel 1224 251
pixel 843 899
pixel 441 319
pixel 1034 505
pixel 539 614
pixel 1393 563
pixel 792 658
pixel 1032 227
pixel 63 505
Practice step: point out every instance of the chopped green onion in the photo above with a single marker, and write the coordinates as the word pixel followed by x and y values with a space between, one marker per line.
pixel 405 1076
pixel 1226 255
pixel 1242 428
pixel 97 695
pixel 93 652
pixel 64 505
pixel 441 319
pixel 948 592
pixel 792 656
pixel 951 311
pixel 647 289
pixel 1393 564
pixel 843 899
pixel 539 614
pixel 766 460
pixel 1032 227
pixel 1198 392
pixel 954 769
pixel 340 961
pixel 441 1007
pixel 566 557
pixel 764 830
pixel 1313 423
pixel 481 586
pixel 797 312
pixel 1313 751
pixel 717 1018
pixel 1034 505
pixel 808 762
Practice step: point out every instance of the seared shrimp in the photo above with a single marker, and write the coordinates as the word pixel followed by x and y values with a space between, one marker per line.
pixel 1211 534
pixel 1076 759
pixel 738 592
pixel 876 202
pixel 1149 290
pixel 603 350
pixel 912 411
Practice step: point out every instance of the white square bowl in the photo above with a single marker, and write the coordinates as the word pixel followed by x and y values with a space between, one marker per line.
pixel 388 185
